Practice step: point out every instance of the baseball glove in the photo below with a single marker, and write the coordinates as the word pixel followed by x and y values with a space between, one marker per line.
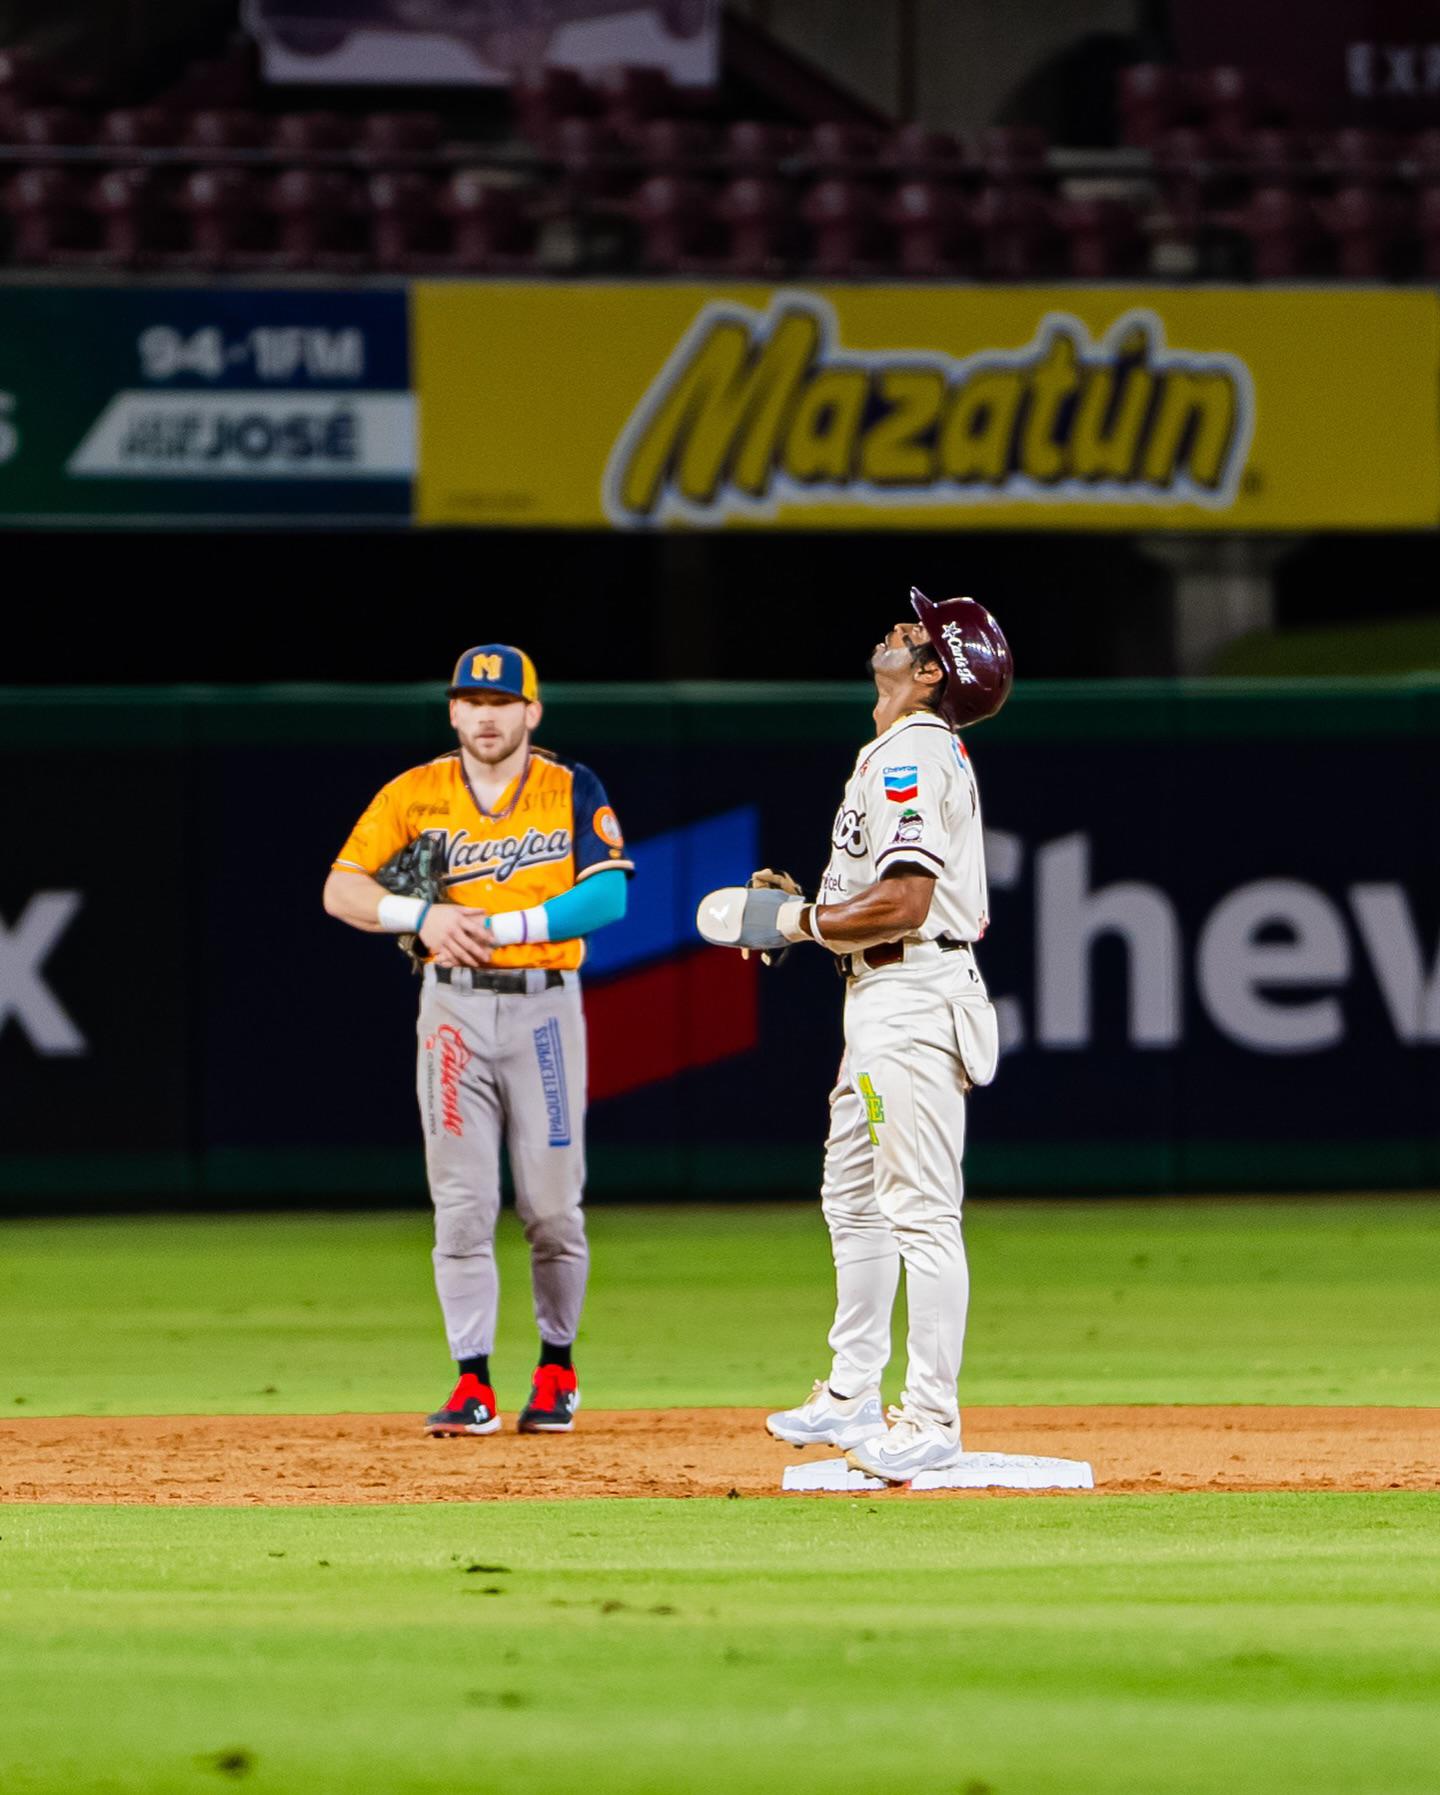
pixel 416 871
pixel 767 879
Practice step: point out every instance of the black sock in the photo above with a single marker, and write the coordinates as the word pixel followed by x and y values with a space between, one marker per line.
pixel 555 1355
pixel 479 1367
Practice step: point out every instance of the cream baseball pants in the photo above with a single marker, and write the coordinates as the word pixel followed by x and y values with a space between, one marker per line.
pixel 916 1038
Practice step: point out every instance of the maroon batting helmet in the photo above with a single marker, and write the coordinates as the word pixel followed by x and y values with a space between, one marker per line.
pixel 979 668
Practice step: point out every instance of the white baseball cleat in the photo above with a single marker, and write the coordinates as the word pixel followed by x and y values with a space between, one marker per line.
pixel 913 1444
pixel 829 1420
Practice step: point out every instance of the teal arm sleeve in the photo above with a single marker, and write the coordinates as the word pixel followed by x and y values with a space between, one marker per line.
pixel 587 906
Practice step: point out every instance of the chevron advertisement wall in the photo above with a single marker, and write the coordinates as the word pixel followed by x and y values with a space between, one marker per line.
pixel 1215 947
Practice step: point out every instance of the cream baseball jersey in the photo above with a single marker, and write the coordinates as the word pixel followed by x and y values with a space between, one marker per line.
pixel 912 801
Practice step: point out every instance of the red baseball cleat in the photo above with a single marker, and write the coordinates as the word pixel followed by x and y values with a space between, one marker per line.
pixel 554 1398
pixel 470 1409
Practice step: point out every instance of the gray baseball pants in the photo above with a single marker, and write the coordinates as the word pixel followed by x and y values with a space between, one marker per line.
pixel 508 1067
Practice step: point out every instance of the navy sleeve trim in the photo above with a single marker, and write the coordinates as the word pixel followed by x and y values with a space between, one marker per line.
pixel 592 850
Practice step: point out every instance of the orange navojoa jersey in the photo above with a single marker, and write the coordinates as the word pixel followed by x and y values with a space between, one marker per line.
pixel 561 830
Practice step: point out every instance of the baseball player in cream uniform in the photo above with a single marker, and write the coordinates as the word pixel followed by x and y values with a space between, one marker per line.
pixel 902 904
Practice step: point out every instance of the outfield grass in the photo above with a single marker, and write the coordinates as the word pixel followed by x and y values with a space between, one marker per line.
pixel 1184 1645
pixel 1251 1645
pixel 1290 1301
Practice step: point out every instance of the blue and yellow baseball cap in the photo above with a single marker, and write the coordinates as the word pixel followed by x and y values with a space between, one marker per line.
pixel 507 672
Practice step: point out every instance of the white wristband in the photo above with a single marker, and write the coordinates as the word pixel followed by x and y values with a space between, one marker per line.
pixel 517 927
pixel 787 920
pixel 808 923
pixel 401 915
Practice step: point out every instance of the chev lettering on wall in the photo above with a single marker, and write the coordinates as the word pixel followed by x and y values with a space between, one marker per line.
pixel 502 858
pixel 1272 958
pixel 758 408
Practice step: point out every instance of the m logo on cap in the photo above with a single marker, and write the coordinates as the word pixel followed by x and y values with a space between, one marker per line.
pixel 485 666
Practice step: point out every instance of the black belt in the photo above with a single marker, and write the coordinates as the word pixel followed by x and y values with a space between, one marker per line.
pixel 891 953
pixel 516 984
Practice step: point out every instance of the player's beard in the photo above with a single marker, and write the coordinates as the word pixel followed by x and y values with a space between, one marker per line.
pixel 501 747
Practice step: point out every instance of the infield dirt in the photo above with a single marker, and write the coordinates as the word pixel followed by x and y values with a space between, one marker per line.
pixel 293 1460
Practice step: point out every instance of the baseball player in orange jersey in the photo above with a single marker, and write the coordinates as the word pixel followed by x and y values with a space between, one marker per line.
pixel 901 905
pixel 533 861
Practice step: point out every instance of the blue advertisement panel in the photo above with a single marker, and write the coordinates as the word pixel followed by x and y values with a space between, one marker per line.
pixel 1215 945
pixel 204 404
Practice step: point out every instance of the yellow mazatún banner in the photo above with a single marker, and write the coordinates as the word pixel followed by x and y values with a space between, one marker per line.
pixel 891 407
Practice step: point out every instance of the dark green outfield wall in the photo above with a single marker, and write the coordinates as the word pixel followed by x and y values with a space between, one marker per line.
pixel 1216 940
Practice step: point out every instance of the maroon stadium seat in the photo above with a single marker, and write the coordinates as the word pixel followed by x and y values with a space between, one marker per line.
pixel 843 149
pixel 49 221
pixel 53 127
pixel 915 152
pixel 316 213
pixel 1365 225
pixel 933 229
pixel 1012 153
pixel 594 161
pixel 1275 156
pixel 1226 101
pixel 1185 175
pixel 224 209
pixel 137 223
pixel 759 220
pixel 403 220
pixel 399 136
pixel 543 97
pixel 1355 154
pixel 676 220
pixel 1102 237
pixel 490 230
pixel 1424 151
pixel 1279 226
pixel 845 222
pixel 1151 101
pixel 1017 234
pixel 754 148
pixel 302 134
pixel 1428 222
pixel 225 128
pixel 676 145
pixel 139 128
pixel 629 95
pixel 554 92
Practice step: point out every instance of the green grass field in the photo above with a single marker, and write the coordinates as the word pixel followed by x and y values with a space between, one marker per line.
pixel 1287 1301
pixel 1198 1645
pixel 1186 1644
